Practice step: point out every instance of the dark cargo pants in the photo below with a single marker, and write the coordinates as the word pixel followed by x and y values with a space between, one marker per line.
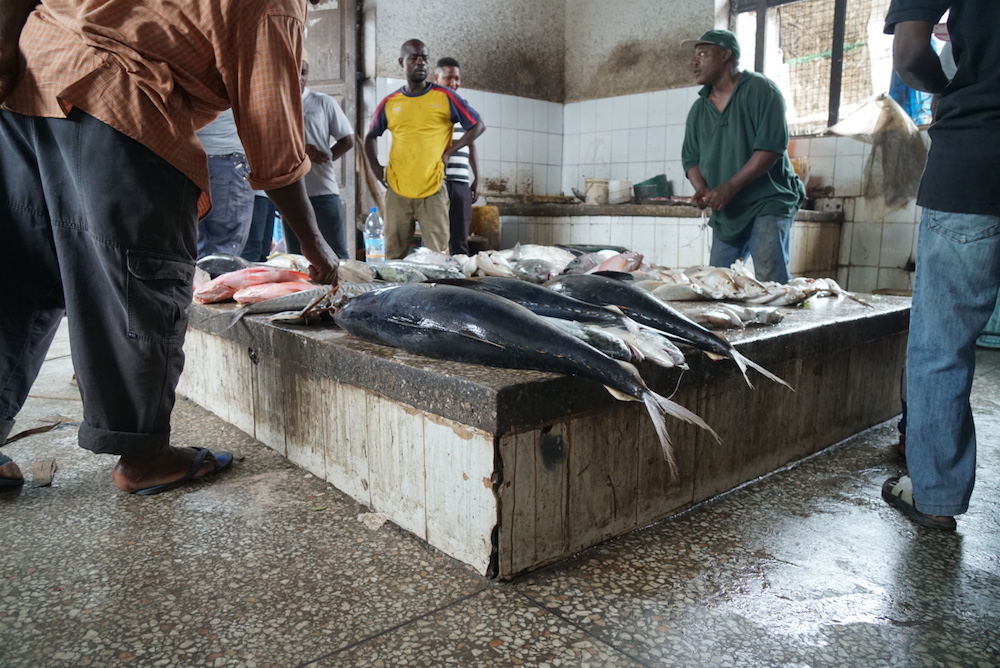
pixel 96 226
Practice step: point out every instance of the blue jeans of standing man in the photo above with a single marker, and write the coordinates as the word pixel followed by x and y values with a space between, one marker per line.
pixel 330 220
pixel 225 228
pixel 766 241
pixel 258 245
pixel 954 292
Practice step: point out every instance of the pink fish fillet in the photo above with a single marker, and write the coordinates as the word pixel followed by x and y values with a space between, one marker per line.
pixel 626 261
pixel 264 291
pixel 225 286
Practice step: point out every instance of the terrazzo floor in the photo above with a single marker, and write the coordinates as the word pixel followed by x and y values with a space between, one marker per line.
pixel 270 566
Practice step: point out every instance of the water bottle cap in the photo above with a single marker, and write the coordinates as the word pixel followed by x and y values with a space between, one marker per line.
pixel 374 209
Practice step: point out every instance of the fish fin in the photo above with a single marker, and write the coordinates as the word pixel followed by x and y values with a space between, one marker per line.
pixel 658 406
pixel 619 395
pixel 715 357
pixel 630 324
pixel 744 362
pixel 237 316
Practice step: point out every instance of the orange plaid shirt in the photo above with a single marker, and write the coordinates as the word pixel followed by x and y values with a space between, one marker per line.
pixel 159 71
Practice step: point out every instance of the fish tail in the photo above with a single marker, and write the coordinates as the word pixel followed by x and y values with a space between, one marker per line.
pixel 237 316
pixel 744 362
pixel 657 406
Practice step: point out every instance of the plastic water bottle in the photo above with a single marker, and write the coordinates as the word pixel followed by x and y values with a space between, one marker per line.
pixel 374 233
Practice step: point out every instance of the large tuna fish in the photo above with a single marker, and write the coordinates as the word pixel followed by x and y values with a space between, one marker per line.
pixel 643 307
pixel 453 323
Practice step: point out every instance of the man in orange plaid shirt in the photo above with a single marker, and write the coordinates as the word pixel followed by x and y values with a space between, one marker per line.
pixel 102 182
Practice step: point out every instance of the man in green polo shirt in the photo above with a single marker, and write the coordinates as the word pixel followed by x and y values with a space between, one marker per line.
pixel 736 156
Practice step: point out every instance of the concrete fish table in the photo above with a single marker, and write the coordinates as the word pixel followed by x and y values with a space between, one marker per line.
pixel 509 470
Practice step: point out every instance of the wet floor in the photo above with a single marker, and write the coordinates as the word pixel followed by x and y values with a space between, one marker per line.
pixel 270 566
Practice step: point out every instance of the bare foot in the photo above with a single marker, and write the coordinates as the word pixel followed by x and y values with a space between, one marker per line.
pixel 169 465
pixel 11 471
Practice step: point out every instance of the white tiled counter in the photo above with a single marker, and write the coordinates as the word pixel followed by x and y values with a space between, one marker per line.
pixel 674 236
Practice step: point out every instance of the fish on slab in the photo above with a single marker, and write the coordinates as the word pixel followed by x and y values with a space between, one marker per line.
pixel 648 310
pixel 462 325
pixel 225 286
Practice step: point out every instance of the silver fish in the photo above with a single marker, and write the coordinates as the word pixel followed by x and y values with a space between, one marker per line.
pixel 462 325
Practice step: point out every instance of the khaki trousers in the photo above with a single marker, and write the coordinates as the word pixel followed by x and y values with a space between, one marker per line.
pixel 402 212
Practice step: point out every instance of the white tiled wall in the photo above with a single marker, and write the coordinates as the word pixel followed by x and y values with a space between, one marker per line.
pixel 876 245
pixel 631 137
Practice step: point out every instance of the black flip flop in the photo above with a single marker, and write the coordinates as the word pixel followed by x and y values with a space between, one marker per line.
pixel 224 459
pixel 9 482
pixel 899 494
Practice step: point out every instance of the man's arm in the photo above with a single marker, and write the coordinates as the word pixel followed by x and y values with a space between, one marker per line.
pixel 13 16
pixel 371 152
pixel 754 168
pixel 915 60
pixel 474 166
pixel 339 148
pixel 297 211
pixel 465 140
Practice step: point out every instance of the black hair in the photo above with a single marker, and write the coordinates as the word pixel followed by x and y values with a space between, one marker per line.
pixel 448 62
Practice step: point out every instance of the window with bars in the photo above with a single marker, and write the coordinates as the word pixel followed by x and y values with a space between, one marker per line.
pixel 826 56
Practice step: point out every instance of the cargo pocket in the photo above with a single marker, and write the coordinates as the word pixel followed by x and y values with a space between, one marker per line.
pixel 159 292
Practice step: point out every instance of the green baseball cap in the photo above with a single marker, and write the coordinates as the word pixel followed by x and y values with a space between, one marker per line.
pixel 720 38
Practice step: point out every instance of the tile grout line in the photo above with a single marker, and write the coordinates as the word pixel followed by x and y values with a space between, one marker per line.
pixel 395 627
pixel 583 630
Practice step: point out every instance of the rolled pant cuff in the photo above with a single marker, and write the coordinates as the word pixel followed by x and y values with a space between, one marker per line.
pixel 6 426
pixel 105 442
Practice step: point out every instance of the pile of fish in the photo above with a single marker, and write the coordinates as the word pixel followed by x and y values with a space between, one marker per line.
pixel 594 314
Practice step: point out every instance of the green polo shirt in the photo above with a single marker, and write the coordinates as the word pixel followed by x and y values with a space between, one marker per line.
pixel 721 143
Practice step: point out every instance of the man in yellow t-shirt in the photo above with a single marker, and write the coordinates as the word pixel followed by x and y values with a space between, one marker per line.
pixel 420 116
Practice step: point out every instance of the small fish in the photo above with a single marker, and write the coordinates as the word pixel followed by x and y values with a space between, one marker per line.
pixel 225 286
pixel 493 264
pixel 625 261
pixel 554 255
pixel 355 271
pixel 295 300
pixel 587 262
pixel 427 269
pixel 399 272
pixel 461 325
pixel 264 291
pixel 217 264
pixel 534 270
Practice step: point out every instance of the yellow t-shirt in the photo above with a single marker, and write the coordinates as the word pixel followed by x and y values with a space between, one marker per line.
pixel 421 127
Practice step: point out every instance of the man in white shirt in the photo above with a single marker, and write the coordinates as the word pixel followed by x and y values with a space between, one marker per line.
pixel 324 121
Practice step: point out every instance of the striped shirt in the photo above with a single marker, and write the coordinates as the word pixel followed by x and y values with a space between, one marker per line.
pixel 158 71
pixel 458 168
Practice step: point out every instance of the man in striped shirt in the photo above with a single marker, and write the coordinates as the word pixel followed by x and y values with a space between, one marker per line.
pixel 461 174
pixel 102 182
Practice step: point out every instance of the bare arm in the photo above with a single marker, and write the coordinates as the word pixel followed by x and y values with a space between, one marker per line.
pixel 371 152
pixel 342 146
pixel 474 166
pixel 915 60
pixel 13 16
pixel 297 211
pixel 719 196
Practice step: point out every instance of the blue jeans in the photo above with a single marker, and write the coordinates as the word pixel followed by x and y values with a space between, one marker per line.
pixel 258 245
pixel 766 241
pixel 330 220
pixel 955 290
pixel 225 228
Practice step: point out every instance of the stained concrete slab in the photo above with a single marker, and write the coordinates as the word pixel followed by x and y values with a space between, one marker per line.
pixel 269 566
